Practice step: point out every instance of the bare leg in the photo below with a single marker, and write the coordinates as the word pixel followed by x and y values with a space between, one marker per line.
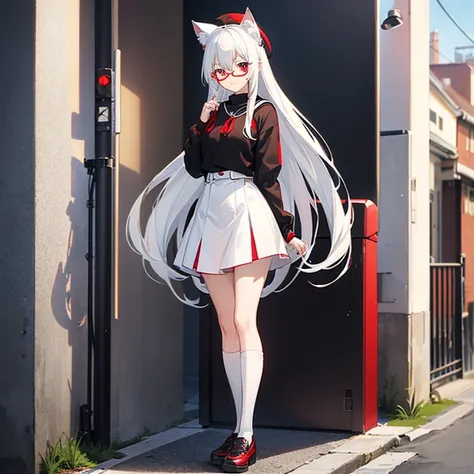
pixel 221 289
pixel 249 281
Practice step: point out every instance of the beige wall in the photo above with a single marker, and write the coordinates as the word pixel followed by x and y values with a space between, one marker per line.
pixel 148 334
pixel 404 105
pixel 63 135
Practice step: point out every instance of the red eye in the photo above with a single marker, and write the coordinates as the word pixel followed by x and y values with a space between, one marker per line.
pixel 219 74
pixel 244 67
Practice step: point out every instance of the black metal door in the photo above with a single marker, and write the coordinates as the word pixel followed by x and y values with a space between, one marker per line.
pixel 325 59
pixel 309 349
pixel 316 345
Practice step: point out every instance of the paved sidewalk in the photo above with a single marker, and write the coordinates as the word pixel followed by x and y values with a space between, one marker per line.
pixel 279 452
pixel 186 448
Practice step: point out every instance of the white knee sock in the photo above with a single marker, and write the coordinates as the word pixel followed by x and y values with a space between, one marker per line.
pixel 234 376
pixel 252 368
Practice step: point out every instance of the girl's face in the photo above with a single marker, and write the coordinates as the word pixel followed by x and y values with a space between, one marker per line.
pixel 234 80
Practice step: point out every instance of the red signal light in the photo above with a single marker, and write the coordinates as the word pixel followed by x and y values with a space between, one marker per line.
pixel 104 80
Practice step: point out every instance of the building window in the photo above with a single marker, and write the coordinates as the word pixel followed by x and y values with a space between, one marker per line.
pixel 440 123
pixel 469 200
pixel 433 116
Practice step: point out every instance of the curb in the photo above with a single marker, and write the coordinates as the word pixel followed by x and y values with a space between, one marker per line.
pixel 361 450
pixel 333 463
pixel 441 422
pixel 351 466
pixel 382 443
pixel 354 453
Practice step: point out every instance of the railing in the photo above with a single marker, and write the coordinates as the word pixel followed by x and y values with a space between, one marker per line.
pixel 447 304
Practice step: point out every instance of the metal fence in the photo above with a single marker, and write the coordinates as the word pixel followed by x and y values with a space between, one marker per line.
pixel 447 304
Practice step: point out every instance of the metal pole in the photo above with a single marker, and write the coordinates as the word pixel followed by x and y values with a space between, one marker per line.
pixel 103 170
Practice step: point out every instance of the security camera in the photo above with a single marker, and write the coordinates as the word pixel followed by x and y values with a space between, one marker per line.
pixel 394 19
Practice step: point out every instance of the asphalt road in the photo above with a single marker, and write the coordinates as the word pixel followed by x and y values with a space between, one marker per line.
pixel 450 451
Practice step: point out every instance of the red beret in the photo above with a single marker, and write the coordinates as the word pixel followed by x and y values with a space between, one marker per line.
pixel 236 19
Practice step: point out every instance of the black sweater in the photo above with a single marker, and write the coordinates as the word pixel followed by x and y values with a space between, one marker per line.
pixel 207 150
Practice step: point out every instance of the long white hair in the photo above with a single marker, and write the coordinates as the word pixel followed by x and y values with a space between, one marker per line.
pixel 308 173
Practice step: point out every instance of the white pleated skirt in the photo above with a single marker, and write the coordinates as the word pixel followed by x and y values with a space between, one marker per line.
pixel 232 225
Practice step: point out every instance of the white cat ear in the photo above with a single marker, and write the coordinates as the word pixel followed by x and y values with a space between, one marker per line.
pixel 203 30
pixel 249 24
pixel 249 17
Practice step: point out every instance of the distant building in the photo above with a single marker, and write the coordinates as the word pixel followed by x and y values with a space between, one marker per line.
pixel 457 216
pixel 443 153
pixel 464 54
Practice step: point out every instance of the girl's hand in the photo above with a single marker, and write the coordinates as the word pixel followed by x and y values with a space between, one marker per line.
pixel 208 108
pixel 298 245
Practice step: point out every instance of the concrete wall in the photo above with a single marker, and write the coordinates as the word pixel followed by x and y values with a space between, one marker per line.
pixel 404 106
pixel 393 265
pixel 17 214
pixel 47 129
pixel 148 330
pixel 63 136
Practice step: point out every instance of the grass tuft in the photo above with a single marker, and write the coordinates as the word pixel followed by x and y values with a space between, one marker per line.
pixel 423 415
pixel 67 456
pixel 71 455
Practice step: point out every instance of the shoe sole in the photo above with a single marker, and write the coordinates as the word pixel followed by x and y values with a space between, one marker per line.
pixel 234 469
pixel 217 462
pixel 238 469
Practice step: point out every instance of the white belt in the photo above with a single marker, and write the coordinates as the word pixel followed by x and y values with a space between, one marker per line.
pixel 225 175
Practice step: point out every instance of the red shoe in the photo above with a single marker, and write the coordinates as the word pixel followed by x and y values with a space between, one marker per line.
pixel 219 454
pixel 241 456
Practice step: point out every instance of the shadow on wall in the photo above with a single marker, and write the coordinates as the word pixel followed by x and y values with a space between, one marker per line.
pixel 147 334
pixel 147 337
pixel 147 331
pixel 69 295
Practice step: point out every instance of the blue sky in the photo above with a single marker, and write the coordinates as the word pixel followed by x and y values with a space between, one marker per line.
pixel 449 36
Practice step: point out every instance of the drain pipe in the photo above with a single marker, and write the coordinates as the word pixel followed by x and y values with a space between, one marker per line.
pixel 102 169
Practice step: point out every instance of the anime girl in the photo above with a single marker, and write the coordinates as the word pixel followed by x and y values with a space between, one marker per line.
pixel 250 163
